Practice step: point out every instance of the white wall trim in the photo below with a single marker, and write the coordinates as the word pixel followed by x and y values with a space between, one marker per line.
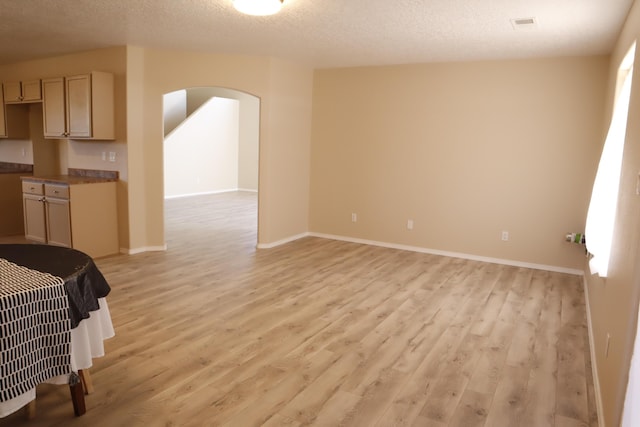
pixel 513 263
pixel 204 193
pixel 594 362
pixel 128 251
pixel 452 254
pixel 250 190
pixel 282 241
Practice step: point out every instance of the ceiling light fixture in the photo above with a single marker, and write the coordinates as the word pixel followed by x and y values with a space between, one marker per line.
pixel 258 7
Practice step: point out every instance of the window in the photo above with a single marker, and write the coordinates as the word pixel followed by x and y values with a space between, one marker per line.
pixel 604 197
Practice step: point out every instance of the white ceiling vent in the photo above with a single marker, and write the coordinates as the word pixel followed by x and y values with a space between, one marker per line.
pixel 524 23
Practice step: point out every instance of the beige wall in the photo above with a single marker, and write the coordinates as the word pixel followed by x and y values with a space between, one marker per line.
pixel 465 150
pixel 249 138
pixel 11 150
pixel 11 219
pixel 285 117
pixel 201 155
pixel 284 162
pixel 174 106
pixel 49 156
pixel 614 301
pixel 249 143
pixel 78 154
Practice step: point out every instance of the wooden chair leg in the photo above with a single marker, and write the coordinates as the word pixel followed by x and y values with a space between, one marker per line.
pixel 77 395
pixel 87 383
pixel 31 410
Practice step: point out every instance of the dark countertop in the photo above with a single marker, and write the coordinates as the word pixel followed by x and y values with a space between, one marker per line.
pixel 66 179
pixel 76 176
pixel 7 167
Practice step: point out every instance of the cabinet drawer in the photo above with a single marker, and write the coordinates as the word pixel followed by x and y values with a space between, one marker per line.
pixel 30 187
pixel 59 191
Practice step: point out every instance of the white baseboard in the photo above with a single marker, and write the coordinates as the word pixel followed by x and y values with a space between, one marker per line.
pixel 250 190
pixel 594 362
pixel 282 241
pixel 204 193
pixel 128 251
pixel 419 249
pixel 514 263
pixel 451 254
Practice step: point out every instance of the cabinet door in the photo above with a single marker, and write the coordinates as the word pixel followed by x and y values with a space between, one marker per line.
pixel 79 106
pixel 34 218
pixel 58 222
pixel 31 91
pixel 53 107
pixel 12 92
pixel 3 117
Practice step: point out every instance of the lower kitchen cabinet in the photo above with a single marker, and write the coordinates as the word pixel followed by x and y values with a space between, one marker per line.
pixel 81 216
pixel 58 217
pixel 34 218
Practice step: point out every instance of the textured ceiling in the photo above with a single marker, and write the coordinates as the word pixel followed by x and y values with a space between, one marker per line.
pixel 321 33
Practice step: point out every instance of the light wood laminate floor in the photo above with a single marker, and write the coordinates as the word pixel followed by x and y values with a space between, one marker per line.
pixel 213 332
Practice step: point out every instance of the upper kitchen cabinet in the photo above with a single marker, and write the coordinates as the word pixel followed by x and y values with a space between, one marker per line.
pixel 14 120
pixel 53 108
pixel 3 118
pixel 21 92
pixel 79 107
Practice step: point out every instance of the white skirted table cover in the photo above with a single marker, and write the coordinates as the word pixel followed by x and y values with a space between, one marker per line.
pixel 86 344
pixel 74 326
pixel 35 330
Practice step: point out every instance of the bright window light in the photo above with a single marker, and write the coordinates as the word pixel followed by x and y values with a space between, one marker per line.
pixel 258 7
pixel 604 197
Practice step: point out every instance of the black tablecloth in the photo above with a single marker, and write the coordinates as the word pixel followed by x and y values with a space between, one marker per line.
pixel 82 280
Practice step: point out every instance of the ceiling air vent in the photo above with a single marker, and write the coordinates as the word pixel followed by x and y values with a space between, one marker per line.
pixel 524 23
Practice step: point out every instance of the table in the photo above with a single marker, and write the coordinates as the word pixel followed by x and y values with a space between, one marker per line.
pixel 88 312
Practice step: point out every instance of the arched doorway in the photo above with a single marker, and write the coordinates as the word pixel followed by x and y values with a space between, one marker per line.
pixel 211 154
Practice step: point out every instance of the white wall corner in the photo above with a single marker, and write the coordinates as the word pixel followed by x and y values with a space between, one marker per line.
pixel 419 249
pixel 134 251
pixel 281 241
pixel 594 362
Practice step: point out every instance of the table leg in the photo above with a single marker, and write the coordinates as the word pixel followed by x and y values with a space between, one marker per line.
pixel 77 395
pixel 31 410
pixel 87 383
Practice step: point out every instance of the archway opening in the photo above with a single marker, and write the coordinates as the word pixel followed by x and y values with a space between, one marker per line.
pixel 211 157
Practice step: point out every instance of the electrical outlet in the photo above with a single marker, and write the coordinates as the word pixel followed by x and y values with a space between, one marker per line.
pixel 505 236
pixel 112 156
pixel 104 156
pixel 354 217
pixel 409 224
